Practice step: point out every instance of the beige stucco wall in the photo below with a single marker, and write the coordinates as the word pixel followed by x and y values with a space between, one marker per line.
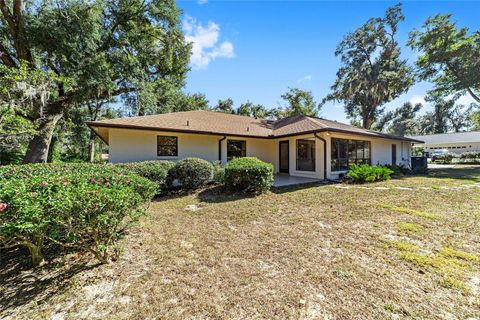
pixel 318 173
pixel 127 145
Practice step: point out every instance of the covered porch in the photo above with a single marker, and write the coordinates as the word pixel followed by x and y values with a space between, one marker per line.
pixel 283 180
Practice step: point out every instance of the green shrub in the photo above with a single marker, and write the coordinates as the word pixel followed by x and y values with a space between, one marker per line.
pixel 218 173
pixel 366 173
pixel 82 206
pixel 156 171
pixel 399 170
pixel 248 174
pixel 192 172
pixel 444 158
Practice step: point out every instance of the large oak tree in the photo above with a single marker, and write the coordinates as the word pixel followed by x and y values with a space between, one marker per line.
pixel 449 56
pixel 96 49
pixel 372 71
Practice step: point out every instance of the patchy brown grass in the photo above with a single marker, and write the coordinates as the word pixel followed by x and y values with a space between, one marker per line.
pixel 319 252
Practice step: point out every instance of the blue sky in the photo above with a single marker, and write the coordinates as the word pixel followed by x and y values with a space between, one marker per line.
pixel 255 50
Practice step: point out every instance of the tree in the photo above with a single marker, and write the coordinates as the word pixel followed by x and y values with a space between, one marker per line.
pixel 460 117
pixel 96 49
pixel 224 106
pixel 256 111
pixel 449 56
pixel 189 102
pixel 476 121
pixel 372 72
pixel 299 102
pixel 436 121
pixel 74 140
pixel 401 121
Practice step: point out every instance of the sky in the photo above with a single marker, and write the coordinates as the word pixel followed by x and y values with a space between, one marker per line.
pixel 255 50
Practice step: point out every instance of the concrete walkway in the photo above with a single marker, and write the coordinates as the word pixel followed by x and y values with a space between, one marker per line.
pixel 282 180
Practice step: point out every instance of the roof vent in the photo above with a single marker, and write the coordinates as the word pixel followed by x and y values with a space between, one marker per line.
pixel 248 128
pixel 188 123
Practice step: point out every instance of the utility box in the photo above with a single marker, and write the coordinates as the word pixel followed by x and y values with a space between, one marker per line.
pixel 419 164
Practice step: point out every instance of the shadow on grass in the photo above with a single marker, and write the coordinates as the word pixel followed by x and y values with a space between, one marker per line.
pixel 461 172
pixel 296 187
pixel 219 194
pixel 20 284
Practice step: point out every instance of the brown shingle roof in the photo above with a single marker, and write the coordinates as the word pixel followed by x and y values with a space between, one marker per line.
pixel 210 122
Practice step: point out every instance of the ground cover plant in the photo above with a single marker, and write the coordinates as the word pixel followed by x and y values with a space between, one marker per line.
pixel 79 206
pixel 398 249
pixel 365 173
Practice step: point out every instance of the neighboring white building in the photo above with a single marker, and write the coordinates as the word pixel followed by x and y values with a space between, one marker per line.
pixel 300 146
pixel 457 142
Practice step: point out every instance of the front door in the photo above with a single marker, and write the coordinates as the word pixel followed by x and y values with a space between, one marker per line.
pixel 394 154
pixel 284 163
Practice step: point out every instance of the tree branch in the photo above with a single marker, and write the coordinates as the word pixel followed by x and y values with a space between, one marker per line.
pixel 474 96
pixel 6 57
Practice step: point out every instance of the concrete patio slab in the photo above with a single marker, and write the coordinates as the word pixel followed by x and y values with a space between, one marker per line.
pixel 281 180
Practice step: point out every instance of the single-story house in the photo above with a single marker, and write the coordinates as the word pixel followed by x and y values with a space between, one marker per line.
pixel 300 146
pixel 456 142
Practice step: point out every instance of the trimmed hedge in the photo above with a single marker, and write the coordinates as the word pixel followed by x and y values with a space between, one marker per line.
pixel 192 172
pixel 82 206
pixel 248 174
pixel 366 173
pixel 155 170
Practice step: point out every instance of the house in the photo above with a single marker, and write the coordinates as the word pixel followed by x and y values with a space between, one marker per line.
pixel 457 142
pixel 300 146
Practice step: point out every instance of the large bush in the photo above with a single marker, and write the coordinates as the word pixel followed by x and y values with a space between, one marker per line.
pixel 248 174
pixel 156 171
pixel 192 172
pixel 366 173
pixel 81 206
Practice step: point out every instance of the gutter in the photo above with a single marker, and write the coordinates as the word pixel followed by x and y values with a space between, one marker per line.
pixel 220 148
pixel 324 154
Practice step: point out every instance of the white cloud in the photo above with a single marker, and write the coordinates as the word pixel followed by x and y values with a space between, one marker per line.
pixel 308 77
pixel 205 46
pixel 417 99
pixel 466 100
pixel 202 1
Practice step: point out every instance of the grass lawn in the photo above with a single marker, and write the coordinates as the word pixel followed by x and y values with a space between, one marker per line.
pixel 402 249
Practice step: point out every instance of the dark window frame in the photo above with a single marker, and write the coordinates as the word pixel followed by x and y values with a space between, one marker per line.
pixel 243 149
pixel 342 163
pixel 160 146
pixel 297 166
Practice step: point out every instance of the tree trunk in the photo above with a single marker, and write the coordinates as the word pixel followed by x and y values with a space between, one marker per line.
pixel 366 122
pixel 91 148
pixel 38 147
pixel 35 249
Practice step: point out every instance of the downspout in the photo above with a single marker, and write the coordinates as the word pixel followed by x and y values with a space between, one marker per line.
pixel 220 148
pixel 324 154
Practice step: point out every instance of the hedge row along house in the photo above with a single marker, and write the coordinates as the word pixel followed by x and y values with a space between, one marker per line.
pixel 299 146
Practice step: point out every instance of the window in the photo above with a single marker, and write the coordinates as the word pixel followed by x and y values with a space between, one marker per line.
pixel 306 155
pixel 346 152
pixel 167 146
pixel 236 149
